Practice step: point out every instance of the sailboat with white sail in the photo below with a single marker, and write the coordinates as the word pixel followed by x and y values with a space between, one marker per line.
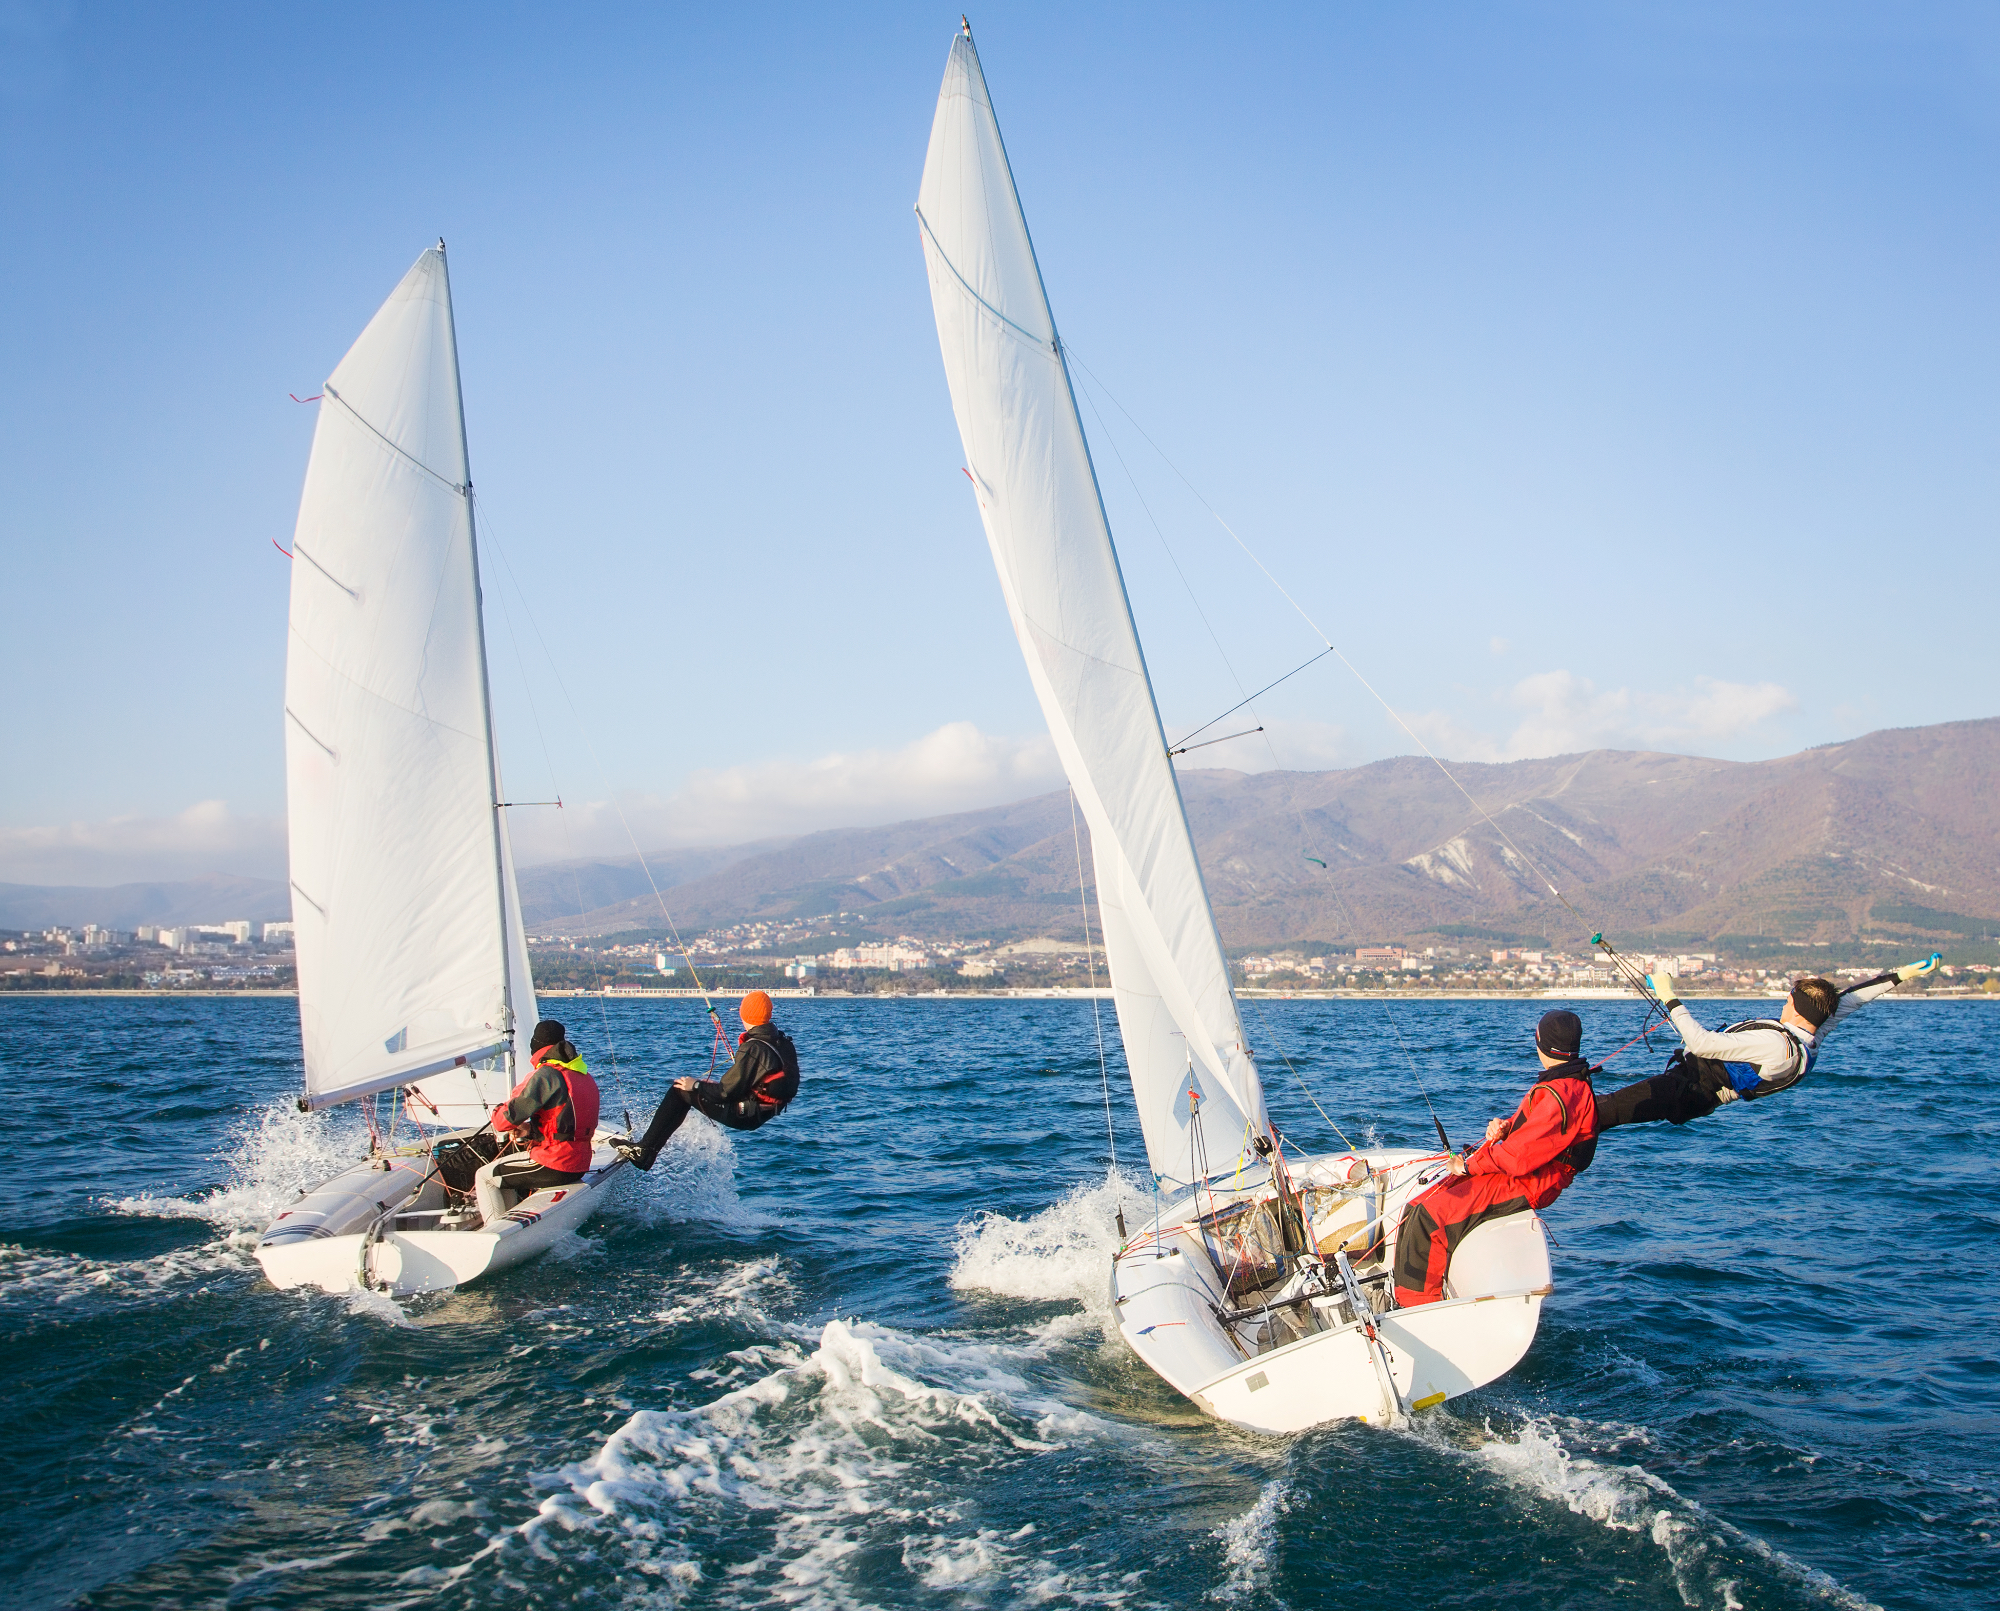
pixel 412 958
pixel 1262 1288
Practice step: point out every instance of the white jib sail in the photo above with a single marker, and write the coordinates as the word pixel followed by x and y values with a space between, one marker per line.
pixel 410 960
pixel 1038 497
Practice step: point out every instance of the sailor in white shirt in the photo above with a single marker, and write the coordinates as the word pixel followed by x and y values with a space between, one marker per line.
pixel 1756 1058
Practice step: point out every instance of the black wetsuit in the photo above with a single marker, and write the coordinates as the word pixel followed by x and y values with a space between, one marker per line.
pixel 756 1089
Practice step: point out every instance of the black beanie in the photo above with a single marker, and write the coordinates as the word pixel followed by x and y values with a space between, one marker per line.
pixel 547 1033
pixel 1560 1033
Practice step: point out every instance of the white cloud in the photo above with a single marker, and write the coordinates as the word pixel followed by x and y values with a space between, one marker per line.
pixel 1563 713
pixel 955 768
pixel 205 838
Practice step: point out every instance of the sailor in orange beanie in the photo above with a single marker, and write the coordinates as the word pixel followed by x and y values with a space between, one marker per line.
pixel 759 1085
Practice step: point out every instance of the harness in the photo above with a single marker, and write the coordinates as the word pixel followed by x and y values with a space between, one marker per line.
pixel 764 1089
pixel 1745 1077
pixel 1580 1152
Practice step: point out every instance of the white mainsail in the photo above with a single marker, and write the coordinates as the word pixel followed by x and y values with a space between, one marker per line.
pixel 411 956
pixel 1045 521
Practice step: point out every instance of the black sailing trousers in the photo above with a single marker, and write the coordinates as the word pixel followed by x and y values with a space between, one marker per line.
pixel 1688 1088
pixel 705 1099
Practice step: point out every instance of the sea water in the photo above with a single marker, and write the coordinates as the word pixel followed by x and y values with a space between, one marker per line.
pixel 864 1357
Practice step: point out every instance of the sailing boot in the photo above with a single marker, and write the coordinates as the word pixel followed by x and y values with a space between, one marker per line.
pixel 631 1151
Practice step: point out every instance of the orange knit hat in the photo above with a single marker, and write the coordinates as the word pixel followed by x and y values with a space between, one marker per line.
pixel 755 1008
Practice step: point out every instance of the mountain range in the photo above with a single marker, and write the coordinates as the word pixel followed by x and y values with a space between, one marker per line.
pixel 216 898
pixel 1896 833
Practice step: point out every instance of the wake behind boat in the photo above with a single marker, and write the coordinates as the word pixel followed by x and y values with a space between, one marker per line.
pixel 413 964
pixel 1262 1290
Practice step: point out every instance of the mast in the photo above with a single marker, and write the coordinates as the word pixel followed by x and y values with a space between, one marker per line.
pixel 1014 398
pixel 392 773
pixel 485 682
pixel 1089 458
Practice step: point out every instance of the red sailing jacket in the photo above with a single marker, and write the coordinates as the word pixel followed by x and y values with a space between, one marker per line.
pixel 557 1106
pixel 1555 1124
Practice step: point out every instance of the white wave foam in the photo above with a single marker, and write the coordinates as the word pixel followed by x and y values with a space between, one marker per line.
pixel 740 1293
pixel 1250 1543
pixel 1702 1550
pixel 1061 1254
pixel 694 1178
pixel 272 1157
pixel 830 1452
pixel 376 1306
pixel 35 1278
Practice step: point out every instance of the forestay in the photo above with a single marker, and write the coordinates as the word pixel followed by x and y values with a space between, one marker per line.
pixel 411 956
pixel 1045 522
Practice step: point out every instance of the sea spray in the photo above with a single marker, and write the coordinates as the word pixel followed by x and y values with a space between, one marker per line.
pixel 828 1456
pixel 271 1157
pixel 692 1179
pixel 1061 1254
pixel 1564 1459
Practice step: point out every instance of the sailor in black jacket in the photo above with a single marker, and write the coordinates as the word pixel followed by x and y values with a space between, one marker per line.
pixel 756 1089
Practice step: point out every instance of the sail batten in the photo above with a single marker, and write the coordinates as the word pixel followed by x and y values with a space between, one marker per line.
pixel 405 922
pixel 1039 501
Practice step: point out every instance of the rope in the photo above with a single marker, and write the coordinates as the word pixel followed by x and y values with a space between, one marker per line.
pixel 1096 1007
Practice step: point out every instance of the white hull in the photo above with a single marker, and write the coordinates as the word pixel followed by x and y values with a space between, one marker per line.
pixel 382 1226
pixel 1292 1354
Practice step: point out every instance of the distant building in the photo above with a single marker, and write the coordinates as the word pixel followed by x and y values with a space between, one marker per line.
pixel 277 931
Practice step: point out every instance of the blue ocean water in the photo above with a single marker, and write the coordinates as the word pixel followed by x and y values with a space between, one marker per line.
pixel 861 1358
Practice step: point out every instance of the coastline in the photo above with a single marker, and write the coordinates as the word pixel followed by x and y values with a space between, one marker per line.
pixel 1026 994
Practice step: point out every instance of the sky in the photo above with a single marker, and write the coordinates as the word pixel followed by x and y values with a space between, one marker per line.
pixel 1590 374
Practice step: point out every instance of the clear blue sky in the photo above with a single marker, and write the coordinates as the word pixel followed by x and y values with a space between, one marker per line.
pixel 1592 374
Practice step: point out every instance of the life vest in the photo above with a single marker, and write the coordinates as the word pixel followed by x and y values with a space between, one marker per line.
pixel 1562 1130
pixel 1581 1127
pixel 774 1090
pixel 562 1132
pixel 1744 1078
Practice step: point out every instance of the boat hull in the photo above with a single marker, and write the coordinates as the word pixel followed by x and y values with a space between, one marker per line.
pixel 361 1231
pixel 1169 1292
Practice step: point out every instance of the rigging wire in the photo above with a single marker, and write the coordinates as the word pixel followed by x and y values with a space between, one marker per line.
pixel 569 841
pixel 1259 694
pixel 1173 558
pixel 1096 1011
pixel 1632 976
pixel 632 839
pixel 1299 1079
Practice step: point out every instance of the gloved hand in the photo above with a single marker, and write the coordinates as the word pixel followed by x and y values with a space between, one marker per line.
pixel 1916 970
pixel 1662 985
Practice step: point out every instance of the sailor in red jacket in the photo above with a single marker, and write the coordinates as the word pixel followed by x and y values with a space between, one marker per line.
pixel 1525 1163
pixel 554 1110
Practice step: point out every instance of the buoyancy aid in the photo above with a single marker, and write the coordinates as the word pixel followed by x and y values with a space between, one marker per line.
pixel 1751 1080
pixel 1556 1123
pixel 773 1088
pixel 565 1117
